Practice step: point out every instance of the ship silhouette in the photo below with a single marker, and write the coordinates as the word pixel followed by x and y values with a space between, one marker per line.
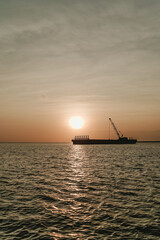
pixel 120 140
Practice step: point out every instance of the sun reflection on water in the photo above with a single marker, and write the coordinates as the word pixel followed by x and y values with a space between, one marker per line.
pixel 76 157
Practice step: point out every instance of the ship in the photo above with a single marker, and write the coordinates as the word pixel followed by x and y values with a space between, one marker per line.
pixel 85 139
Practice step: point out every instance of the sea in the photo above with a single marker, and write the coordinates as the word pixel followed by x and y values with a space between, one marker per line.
pixel 63 191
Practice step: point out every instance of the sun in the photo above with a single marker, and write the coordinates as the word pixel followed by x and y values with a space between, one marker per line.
pixel 76 122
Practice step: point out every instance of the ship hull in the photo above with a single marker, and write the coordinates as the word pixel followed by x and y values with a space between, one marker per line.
pixel 104 141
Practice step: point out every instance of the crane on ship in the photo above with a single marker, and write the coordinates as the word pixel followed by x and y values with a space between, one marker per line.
pixel 118 133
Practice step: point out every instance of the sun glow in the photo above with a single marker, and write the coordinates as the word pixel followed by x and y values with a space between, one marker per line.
pixel 76 122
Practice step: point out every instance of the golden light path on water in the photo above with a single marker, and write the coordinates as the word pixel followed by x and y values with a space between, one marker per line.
pixel 75 157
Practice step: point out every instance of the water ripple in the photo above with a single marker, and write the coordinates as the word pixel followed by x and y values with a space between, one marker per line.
pixel 51 191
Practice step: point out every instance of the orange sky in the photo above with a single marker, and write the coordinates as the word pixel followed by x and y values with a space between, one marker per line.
pixel 51 128
pixel 95 59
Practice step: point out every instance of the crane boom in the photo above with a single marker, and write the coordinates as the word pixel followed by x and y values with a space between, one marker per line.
pixel 114 128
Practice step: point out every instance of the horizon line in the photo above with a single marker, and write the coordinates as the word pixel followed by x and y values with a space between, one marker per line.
pixel 141 141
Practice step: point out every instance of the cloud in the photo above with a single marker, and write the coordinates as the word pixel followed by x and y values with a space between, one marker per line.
pixel 100 48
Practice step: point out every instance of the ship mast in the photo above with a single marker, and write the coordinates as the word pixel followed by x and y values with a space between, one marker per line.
pixel 115 128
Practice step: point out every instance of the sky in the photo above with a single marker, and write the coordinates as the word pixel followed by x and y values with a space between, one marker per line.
pixel 91 58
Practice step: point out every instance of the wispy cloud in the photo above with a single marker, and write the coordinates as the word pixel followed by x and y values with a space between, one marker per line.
pixel 107 49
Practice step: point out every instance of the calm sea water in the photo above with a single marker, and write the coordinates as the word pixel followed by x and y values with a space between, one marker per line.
pixel 61 191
